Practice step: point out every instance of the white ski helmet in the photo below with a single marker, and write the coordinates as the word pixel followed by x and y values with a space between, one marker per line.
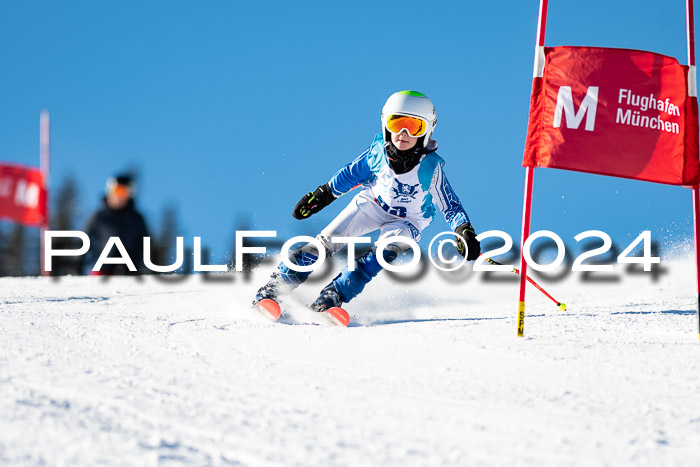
pixel 414 104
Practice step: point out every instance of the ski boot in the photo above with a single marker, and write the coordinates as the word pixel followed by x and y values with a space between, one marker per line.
pixel 328 302
pixel 266 300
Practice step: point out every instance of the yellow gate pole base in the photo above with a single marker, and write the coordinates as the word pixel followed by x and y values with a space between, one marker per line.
pixel 521 319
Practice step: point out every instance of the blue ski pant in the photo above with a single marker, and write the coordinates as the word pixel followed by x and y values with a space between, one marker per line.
pixel 362 216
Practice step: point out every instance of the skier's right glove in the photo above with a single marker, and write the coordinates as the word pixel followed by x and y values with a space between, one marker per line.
pixel 313 202
pixel 473 249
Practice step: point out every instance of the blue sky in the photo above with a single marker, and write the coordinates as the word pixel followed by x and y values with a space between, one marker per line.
pixel 231 111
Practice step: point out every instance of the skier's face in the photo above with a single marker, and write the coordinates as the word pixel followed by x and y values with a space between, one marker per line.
pixel 402 141
pixel 118 197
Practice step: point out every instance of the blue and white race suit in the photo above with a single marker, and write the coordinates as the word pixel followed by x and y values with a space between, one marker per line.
pixel 408 198
pixel 396 204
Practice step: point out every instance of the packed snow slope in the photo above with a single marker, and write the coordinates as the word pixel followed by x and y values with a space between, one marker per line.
pixel 172 370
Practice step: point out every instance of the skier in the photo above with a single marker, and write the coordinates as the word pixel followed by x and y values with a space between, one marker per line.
pixel 402 180
pixel 117 217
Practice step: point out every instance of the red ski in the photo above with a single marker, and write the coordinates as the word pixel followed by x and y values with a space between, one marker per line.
pixel 269 308
pixel 338 316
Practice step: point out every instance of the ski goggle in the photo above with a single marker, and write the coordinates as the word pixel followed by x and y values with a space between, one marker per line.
pixel 120 191
pixel 415 126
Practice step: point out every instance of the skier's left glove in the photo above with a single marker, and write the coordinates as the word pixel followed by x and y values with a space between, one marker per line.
pixel 473 249
pixel 313 202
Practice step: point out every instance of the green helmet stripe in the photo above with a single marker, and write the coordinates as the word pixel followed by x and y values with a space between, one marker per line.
pixel 413 93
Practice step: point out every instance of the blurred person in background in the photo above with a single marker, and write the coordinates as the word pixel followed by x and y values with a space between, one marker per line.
pixel 117 217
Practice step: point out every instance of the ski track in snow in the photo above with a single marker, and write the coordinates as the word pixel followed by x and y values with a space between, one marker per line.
pixel 165 372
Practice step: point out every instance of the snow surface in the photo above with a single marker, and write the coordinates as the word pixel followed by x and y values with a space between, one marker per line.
pixel 169 370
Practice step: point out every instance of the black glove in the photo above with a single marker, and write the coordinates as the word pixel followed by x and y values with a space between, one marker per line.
pixel 313 202
pixel 473 249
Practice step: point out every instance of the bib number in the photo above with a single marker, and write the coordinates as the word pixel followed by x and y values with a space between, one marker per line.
pixel 398 211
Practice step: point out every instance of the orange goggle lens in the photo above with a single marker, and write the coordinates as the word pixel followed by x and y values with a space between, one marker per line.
pixel 121 191
pixel 413 125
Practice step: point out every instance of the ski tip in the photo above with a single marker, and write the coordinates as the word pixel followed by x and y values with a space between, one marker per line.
pixel 269 308
pixel 338 316
pixel 562 306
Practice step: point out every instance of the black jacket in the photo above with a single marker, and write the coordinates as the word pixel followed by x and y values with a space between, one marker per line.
pixel 128 225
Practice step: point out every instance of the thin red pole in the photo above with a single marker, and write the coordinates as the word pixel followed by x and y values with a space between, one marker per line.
pixel 561 306
pixel 530 171
pixel 44 165
pixel 690 27
pixel 527 210
pixel 542 22
pixel 692 94
pixel 696 230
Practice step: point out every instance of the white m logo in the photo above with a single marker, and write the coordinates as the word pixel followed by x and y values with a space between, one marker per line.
pixel 26 195
pixel 588 107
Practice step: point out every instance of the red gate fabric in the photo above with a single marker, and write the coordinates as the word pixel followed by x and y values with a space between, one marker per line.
pixel 22 195
pixel 617 112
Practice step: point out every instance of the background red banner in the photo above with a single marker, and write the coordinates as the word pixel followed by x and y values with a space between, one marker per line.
pixel 617 112
pixel 22 195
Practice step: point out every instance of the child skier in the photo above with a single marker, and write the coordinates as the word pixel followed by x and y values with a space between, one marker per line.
pixel 402 180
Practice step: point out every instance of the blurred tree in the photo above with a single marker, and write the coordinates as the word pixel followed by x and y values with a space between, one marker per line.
pixel 65 205
pixel 31 258
pixel 4 269
pixel 14 251
pixel 164 244
pixel 65 211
